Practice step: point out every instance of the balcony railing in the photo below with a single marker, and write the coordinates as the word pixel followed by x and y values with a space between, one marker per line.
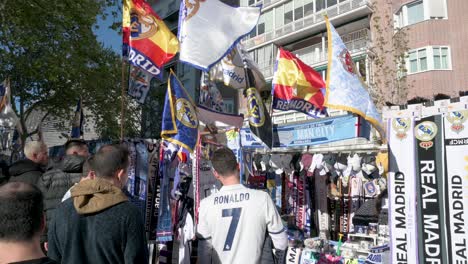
pixel 305 22
pixel 356 41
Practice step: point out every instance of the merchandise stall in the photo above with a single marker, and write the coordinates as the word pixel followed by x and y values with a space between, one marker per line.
pixel 328 180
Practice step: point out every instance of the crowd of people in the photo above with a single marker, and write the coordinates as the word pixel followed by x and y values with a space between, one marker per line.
pixel 75 211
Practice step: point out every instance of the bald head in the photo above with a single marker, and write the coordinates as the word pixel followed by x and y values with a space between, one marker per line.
pixel 21 212
pixel 37 152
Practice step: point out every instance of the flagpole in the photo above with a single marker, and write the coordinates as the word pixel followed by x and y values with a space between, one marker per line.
pixel 122 104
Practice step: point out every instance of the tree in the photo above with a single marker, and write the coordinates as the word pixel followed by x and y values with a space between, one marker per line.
pixel 388 56
pixel 49 51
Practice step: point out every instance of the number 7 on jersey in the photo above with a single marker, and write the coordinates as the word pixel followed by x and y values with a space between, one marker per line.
pixel 235 214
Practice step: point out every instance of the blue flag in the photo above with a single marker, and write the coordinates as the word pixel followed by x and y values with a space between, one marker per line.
pixel 345 88
pixel 180 121
pixel 78 119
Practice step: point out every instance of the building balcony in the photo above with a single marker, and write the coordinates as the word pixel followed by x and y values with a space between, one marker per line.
pixel 312 24
pixel 357 42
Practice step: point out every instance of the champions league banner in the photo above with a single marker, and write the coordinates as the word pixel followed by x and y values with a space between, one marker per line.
pixel 456 175
pixel 430 179
pixel 402 191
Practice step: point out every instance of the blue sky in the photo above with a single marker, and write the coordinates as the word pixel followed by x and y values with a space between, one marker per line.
pixel 110 38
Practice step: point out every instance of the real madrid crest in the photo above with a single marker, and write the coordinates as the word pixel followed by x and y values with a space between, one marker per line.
pixel 425 132
pixel 186 113
pixel 347 61
pixel 142 24
pixel 255 108
pixel 401 127
pixel 457 119
pixel 192 7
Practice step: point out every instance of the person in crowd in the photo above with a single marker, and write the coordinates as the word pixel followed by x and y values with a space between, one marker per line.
pixel 30 169
pixel 21 224
pixel 62 176
pixel 234 222
pixel 88 174
pixel 4 174
pixel 98 224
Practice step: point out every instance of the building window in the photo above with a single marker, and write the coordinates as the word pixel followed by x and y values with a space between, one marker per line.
pixel 319 5
pixel 279 16
pixel 331 3
pixel 288 13
pixel 228 105
pixel 308 7
pixel 429 58
pixel 268 20
pixel 298 9
pixel 440 58
pixel 420 10
pixel 415 13
pixel 251 2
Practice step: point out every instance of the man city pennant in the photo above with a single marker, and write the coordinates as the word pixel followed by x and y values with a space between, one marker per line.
pixel 180 121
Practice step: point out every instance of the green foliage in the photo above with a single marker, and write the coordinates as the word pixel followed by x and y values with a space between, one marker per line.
pixel 50 53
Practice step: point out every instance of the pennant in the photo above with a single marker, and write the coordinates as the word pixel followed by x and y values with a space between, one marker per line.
pixel 259 118
pixel 208 30
pixel 296 86
pixel 345 89
pixel 139 84
pixel 230 70
pixel 180 121
pixel 78 119
pixel 147 41
pixel 210 97
pixel 8 116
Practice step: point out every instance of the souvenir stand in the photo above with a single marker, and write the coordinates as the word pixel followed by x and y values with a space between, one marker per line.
pixel 428 183
pixel 328 179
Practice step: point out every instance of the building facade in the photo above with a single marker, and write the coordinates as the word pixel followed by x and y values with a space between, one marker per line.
pixel 436 60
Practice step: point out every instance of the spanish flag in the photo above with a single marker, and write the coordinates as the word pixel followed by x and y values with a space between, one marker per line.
pixel 147 41
pixel 296 86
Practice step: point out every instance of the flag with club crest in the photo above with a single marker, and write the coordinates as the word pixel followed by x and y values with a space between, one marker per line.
pixel 179 120
pixel 296 86
pixel 208 30
pixel 230 70
pixel 147 41
pixel 78 120
pixel 345 88
pixel 210 97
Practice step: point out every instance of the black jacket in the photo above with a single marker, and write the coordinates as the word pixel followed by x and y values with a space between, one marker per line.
pixel 55 183
pixel 25 171
pixel 97 225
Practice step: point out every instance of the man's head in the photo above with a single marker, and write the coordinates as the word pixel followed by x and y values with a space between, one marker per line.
pixel 37 152
pixel 76 147
pixel 21 212
pixel 224 163
pixel 111 162
pixel 88 169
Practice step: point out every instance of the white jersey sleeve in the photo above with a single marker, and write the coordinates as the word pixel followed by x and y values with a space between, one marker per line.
pixel 275 226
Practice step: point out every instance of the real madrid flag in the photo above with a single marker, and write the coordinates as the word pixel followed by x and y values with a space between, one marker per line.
pixel 180 121
pixel 208 30
pixel 259 118
pixel 345 89
pixel 147 41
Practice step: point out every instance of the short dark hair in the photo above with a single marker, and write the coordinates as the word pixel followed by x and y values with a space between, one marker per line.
pixel 87 166
pixel 78 143
pixel 224 162
pixel 21 211
pixel 109 159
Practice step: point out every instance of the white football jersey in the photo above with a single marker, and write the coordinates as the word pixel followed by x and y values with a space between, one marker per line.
pixel 236 219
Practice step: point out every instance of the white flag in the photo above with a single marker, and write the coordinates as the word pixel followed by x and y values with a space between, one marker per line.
pixel 208 29
pixel 8 117
pixel 230 70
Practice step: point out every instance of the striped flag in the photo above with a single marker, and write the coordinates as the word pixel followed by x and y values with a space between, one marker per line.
pixel 296 86
pixel 147 41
